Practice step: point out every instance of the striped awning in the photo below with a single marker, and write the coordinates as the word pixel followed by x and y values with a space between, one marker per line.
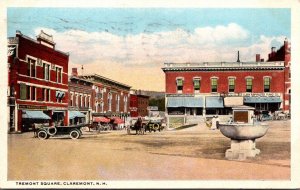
pixel 34 115
pixel 214 102
pixel 191 102
pixel 101 119
pixel 73 114
pixel 275 99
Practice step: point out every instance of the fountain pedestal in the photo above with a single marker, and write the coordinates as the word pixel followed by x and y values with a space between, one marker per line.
pixel 241 149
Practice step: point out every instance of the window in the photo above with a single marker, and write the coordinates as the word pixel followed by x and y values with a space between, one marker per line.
pixel 197 85
pixel 80 98
pixel 46 68
pixel 89 101
pixel 214 84
pixel 125 103
pixel 48 95
pixel 23 94
pixel 102 107
pixel 33 93
pixel 118 103
pixel 71 99
pixel 109 98
pixel 267 82
pixel 179 83
pixel 58 74
pixel 28 92
pixel 231 84
pixel 76 100
pixel 248 84
pixel 31 68
pixel 43 94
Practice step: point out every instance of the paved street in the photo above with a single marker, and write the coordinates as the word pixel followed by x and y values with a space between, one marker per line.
pixel 192 153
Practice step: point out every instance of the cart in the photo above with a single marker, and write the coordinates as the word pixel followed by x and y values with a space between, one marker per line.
pixel 74 131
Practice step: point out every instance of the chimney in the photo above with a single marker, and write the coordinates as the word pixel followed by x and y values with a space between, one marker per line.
pixel 74 72
pixel 238 58
pixel 286 44
pixel 273 49
pixel 258 58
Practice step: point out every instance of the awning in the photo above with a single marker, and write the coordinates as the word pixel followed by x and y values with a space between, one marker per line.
pixel 34 115
pixel 262 99
pixel 117 120
pixel 73 114
pixel 214 102
pixel 233 101
pixel 101 119
pixel 192 102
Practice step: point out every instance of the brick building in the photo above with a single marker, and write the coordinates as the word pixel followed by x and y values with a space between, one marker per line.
pixel 197 90
pixel 81 99
pixel 138 104
pixel 111 98
pixel 37 82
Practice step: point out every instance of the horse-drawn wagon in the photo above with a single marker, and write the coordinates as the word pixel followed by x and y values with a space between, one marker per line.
pixel 74 131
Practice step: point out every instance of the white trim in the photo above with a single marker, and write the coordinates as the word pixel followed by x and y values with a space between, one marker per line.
pixel 42 86
pixel 41 79
pixel 41 102
pixel 214 77
pixel 249 77
pixel 182 78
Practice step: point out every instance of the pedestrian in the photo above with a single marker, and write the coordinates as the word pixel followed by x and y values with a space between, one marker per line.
pixel 214 123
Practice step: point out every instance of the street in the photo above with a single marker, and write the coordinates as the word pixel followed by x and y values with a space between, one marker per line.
pixel 194 153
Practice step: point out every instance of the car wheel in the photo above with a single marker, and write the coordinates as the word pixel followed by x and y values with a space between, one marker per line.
pixel 42 135
pixel 74 134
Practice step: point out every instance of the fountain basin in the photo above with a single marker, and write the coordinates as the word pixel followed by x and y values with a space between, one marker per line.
pixel 243 131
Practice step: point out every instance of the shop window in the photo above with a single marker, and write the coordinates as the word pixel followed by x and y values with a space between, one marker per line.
pixel 179 83
pixel 249 84
pixel 23 91
pixel 197 85
pixel 231 84
pixel 214 84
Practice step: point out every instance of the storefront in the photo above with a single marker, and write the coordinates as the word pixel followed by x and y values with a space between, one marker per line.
pixel 31 118
pixel 262 103
pixel 76 117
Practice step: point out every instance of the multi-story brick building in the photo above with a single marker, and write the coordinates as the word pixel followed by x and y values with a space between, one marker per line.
pixel 208 88
pixel 138 104
pixel 111 97
pixel 37 83
pixel 81 99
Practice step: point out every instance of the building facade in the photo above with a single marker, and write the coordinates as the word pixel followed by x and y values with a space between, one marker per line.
pixel 138 104
pixel 111 98
pixel 37 83
pixel 210 88
pixel 81 99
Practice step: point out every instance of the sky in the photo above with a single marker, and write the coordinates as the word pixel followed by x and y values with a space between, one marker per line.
pixel 130 45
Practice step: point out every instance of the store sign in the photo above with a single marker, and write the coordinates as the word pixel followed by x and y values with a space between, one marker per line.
pixel 133 108
pixel 11 51
pixel 30 107
pixel 152 108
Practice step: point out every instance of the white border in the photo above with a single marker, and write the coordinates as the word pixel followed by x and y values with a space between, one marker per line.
pixel 295 137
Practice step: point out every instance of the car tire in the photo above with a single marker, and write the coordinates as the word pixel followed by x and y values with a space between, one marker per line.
pixel 51 131
pixel 74 134
pixel 42 135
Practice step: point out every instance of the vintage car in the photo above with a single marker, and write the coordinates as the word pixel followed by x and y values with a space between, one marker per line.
pixel 74 131
pixel 153 124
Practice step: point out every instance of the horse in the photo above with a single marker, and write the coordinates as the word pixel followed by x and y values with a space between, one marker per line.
pixel 138 126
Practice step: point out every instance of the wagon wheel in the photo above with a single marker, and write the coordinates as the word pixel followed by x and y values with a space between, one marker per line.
pixel 42 135
pixel 155 127
pixel 74 134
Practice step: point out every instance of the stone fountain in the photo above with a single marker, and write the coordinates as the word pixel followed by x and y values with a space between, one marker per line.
pixel 243 130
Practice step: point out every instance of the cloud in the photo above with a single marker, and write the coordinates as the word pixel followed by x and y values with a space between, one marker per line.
pixel 145 53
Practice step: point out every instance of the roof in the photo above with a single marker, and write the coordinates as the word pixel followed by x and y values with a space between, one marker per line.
pixel 89 78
